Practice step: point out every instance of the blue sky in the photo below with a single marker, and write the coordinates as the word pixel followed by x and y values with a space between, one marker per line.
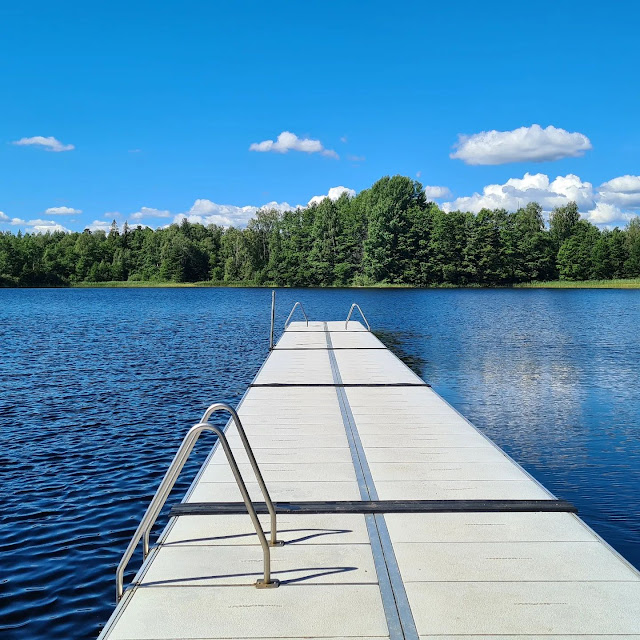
pixel 162 101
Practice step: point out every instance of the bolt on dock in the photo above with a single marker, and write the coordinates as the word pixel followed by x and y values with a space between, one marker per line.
pixel 347 499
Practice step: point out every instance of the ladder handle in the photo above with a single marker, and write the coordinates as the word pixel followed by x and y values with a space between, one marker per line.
pixel 297 304
pixel 164 490
pixel 182 456
pixel 356 306
pixel 221 406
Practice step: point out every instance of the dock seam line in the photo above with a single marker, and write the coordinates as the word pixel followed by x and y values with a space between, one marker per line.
pixel 394 598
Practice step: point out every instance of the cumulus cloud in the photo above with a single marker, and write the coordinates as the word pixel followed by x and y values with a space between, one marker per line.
pixel 150 212
pixel 288 141
pixel 517 192
pixel 623 191
pixel 604 206
pixel 43 226
pixel 203 211
pixel 206 212
pixel 607 214
pixel 33 226
pixel 435 193
pixel 526 144
pixel 61 211
pixel 47 143
pixel 334 194
pixel 99 225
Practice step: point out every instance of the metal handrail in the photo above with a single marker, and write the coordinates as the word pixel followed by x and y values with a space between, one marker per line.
pixel 166 485
pixel 297 304
pixel 273 317
pixel 221 406
pixel 356 306
pixel 162 497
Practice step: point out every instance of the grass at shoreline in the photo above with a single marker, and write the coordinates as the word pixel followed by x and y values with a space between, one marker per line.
pixel 137 284
pixel 631 283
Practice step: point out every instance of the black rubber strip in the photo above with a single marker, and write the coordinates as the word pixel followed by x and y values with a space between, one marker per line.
pixel 331 384
pixel 378 506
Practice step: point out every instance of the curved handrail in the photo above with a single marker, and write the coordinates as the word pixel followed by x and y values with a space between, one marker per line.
pixel 217 406
pixel 221 406
pixel 356 306
pixel 164 489
pixel 297 304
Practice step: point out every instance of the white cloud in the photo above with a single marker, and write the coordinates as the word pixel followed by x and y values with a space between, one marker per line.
pixel 434 193
pixel 99 225
pixel 607 214
pixel 334 194
pixel 598 207
pixel 49 143
pixel 61 211
pixel 532 144
pixel 356 158
pixel 33 226
pixel 206 212
pixel 150 212
pixel 517 192
pixel 623 191
pixel 43 226
pixel 288 141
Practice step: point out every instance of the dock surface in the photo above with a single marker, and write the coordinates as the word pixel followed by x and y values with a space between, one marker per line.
pixel 333 415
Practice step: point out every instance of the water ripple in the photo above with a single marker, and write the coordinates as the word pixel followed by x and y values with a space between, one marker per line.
pixel 100 386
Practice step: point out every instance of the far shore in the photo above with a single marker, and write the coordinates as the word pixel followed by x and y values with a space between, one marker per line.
pixel 631 283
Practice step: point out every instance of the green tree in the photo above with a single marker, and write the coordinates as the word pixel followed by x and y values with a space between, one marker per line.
pixel 632 263
pixel 575 257
pixel 563 222
pixel 389 201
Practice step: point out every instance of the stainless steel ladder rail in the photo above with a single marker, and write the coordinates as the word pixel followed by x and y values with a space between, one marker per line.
pixel 170 477
pixel 217 406
pixel 356 306
pixel 220 406
pixel 297 304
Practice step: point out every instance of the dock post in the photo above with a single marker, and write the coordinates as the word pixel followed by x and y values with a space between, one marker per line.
pixel 273 317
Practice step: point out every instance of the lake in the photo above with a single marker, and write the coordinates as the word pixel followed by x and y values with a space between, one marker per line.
pixel 100 385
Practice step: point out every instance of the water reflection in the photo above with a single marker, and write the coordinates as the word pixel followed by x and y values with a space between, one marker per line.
pixel 396 340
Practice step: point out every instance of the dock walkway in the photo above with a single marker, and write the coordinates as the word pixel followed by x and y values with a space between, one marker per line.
pixel 333 415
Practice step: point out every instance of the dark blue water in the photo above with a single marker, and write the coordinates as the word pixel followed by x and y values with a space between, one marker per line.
pixel 99 386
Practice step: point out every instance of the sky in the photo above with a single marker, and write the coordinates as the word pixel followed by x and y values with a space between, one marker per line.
pixel 154 111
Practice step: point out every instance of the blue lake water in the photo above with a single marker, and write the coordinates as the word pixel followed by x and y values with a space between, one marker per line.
pixel 98 387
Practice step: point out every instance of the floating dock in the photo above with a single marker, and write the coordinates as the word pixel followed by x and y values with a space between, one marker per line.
pixel 400 520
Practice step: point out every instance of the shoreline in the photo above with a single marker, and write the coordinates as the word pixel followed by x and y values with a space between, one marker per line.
pixel 631 283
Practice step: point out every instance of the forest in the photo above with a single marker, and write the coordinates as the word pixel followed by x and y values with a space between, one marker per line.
pixel 387 234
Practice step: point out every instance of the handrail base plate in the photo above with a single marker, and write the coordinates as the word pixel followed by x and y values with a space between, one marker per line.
pixel 272 584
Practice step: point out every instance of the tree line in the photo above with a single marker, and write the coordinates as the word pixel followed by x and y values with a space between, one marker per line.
pixel 387 234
